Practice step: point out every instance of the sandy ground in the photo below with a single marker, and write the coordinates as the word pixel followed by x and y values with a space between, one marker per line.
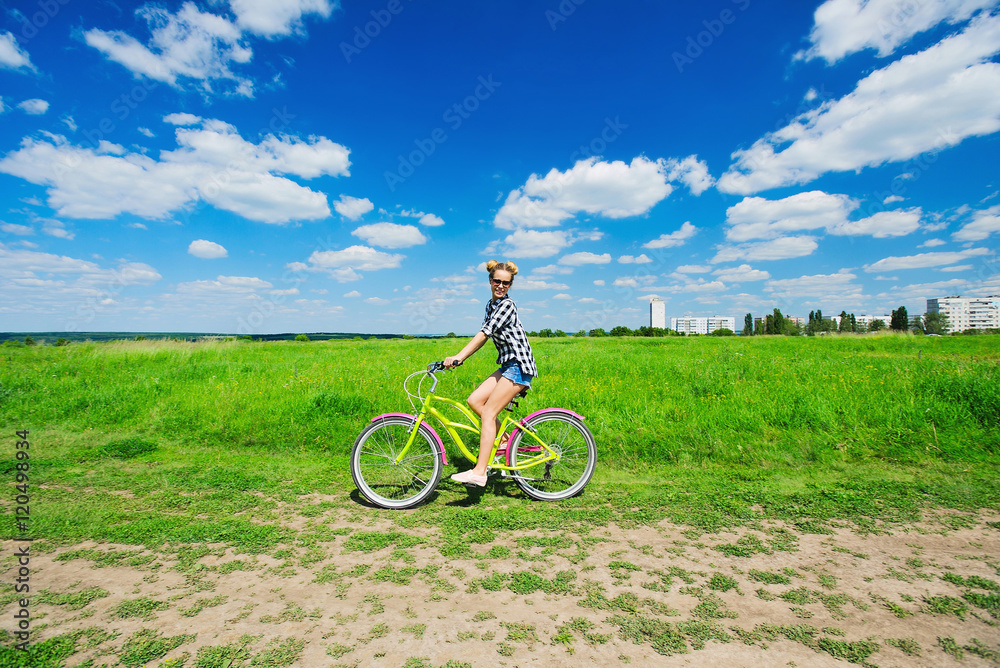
pixel 842 593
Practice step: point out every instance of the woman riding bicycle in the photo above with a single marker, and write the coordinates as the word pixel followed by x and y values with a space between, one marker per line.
pixel 517 365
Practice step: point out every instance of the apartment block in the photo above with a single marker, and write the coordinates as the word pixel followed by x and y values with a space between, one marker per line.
pixel 692 325
pixel 658 313
pixel 968 312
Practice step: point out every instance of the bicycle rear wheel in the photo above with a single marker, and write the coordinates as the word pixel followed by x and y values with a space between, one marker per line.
pixel 564 476
pixel 386 482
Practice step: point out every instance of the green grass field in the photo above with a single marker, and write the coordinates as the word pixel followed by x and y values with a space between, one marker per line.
pixel 697 429
pixel 161 456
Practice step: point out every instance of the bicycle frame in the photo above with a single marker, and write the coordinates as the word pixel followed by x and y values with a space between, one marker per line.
pixel 472 425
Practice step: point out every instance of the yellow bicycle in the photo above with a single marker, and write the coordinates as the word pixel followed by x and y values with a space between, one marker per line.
pixel 397 460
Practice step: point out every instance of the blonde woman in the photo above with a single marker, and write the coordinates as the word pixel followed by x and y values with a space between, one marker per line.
pixel 517 365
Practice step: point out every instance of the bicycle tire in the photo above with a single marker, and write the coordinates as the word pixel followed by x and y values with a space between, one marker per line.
pixel 561 478
pixel 395 485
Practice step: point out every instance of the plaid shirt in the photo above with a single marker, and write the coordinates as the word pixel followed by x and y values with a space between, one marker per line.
pixel 503 326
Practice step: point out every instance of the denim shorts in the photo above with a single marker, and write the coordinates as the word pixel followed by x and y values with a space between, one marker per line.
pixel 512 371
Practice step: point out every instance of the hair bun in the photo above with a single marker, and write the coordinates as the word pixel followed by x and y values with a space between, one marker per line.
pixel 507 266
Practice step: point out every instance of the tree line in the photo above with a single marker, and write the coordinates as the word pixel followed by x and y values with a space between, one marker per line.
pixel 846 323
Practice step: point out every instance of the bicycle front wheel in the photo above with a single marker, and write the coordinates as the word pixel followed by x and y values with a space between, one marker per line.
pixel 389 483
pixel 569 472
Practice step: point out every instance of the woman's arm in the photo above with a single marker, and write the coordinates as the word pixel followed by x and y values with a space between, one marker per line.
pixel 468 351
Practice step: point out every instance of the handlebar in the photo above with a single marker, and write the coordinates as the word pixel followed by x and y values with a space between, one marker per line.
pixel 439 366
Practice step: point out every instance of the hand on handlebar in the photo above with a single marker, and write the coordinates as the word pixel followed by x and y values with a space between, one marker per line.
pixel 451 362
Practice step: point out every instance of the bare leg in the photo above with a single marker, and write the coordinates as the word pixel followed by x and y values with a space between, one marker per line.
pixel 502 392
pixel 477 400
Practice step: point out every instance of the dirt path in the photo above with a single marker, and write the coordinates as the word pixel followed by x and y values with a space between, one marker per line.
pixel 661 595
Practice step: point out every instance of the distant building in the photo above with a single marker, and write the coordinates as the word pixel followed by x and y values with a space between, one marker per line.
pixel 867 320
pixel 692 325
pixel 658 313
pixel 968 312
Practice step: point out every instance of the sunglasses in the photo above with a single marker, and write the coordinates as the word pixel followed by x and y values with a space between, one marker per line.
pixel 497 281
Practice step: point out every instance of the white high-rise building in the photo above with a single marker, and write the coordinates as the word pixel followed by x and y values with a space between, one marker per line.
pixel 968 312
pixel 658 313
pixel 692 325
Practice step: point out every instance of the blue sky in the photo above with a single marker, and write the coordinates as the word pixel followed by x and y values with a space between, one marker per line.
pixel 263 166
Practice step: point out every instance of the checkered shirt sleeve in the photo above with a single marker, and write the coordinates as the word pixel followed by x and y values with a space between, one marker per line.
pixel 504 328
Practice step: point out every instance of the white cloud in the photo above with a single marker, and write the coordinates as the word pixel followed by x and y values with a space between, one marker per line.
pixel 760 218
pixel 352 208
pixel 741 274
pixel 212 164
pixel 693 269
pixel 56 228
pixel 562 296
pixel 637 281
pixel 843 27
pixel 207 250
pixel 12 56
pixel 344 265
pixel 353 294
pixel 696 287
pixel 430 220
pixel 819 285
pixel 924 260
pixel 923 102
pixel 390 235
pixel 536 284
pixel 957 268
pixel 673 239
pixel 223 286
pixel 691 172
pixel 205 48
pixel 20 230
pixel 65 285
pixel 580 259
pixel 931 243
pixel 776 249
pixel 34 107
pixel 922 291
pixel 182 118
pixel 553 269
pixel 882 224
pixel 609 189
pixel 190 44
pixel 984 223
pixel 270 19
pixel 532 243
pixel 630 259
